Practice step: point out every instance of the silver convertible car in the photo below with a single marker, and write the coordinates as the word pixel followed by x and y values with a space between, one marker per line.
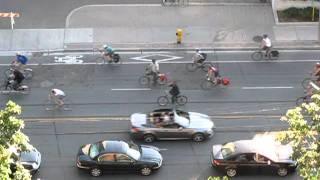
pixel 167 124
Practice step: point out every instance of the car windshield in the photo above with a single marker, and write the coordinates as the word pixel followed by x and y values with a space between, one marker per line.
pixel 181 119
pixel 227 150
pixel 133 150
pixel 95 149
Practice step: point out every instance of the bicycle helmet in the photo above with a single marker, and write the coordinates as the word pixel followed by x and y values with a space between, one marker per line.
pixel 105 46
pixel 318 64
pixel 265 36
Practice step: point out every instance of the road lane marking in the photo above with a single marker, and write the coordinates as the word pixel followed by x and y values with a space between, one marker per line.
pixel 274 87
pixel 131 89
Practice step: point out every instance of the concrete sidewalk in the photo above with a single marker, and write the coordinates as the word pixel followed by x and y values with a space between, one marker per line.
pixel 154 26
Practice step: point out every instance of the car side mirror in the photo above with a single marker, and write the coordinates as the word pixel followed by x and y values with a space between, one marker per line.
pixel 269 162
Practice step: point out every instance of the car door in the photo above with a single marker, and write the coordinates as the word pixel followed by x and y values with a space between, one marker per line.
pixel 263 163
pixel 125 163
pixel 244 162
pixel 107 162
pixel 171 131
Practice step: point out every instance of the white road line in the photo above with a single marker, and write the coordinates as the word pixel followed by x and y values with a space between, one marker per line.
pixel 132 89
pixel 274 87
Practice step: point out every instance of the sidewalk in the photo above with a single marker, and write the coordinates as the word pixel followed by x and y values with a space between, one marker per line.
pixel 154 26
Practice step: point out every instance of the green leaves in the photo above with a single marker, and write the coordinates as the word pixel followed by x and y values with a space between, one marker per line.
pixel 303 135
pixel 12 141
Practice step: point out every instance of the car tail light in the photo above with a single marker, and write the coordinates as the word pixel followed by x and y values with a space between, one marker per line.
pixel 134 129
pixel 215 162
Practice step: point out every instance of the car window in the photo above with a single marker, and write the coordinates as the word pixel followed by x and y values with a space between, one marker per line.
pixel 95 149
pixel 123 158
pixel 259 158
pixel 227 150
pixel 183 114
pixel 110 157
pixel 242 158
pixel 171 126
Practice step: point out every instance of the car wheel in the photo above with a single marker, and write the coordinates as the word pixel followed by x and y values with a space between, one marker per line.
pixel 231 172
pixel 149 138
pixel 95 172
pixel 146 171
pixel 198 137
pixel 282 171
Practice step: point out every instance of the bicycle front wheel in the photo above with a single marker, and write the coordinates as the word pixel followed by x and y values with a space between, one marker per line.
pixel 182 100
pixel 191 67
pixel 143 80
pixel 305 83
pixel 163 100
pixel 274 55
pixel 257 56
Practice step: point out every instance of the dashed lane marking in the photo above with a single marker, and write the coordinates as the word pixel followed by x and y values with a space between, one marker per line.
pixel 272 87
pixel 131 89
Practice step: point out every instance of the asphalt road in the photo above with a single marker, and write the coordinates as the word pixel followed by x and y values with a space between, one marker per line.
pixel 58 141
pixel 40 14
pixel 260 92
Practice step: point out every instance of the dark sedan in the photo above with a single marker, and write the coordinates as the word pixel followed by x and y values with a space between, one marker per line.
pixel 118 156
pixel 247 155
pixel 170 124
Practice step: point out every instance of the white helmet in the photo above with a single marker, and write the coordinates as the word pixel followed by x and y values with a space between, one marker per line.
pixel 105 46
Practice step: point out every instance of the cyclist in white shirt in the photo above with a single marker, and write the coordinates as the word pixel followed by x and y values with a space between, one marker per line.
pixel 266 44
pixel 57 96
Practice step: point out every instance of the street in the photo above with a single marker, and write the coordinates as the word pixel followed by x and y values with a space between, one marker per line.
pixel 104 96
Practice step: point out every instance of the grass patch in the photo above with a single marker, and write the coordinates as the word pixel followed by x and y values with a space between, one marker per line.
pixel 298 15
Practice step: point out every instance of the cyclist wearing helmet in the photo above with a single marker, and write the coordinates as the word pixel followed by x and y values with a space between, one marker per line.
pixel 153 69
pixel 266 44
pixel 20 61
pixel 199 57
pixel 57 96
pixel 108 51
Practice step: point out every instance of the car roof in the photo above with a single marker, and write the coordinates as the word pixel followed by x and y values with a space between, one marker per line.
pixel 114 146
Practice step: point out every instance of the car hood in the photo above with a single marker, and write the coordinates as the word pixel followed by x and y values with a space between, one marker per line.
pixel 30 156
pixel 198 120
pixel 216 151
pixel 138 119
pixel 150 154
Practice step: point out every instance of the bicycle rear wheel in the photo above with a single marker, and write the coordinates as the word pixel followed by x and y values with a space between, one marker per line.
pixel 163 100
pixel 257 56
pixel 182 100
pixel 305 83
pixel 144 80
pixel 100 60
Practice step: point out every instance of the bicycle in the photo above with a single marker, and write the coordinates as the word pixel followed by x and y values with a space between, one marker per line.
pixel 51 105
pixel 210 83
pixel 7 89
pixel 179 100
pixel 260 54
pixel 113 58
pixel 191 67
pixel 147 78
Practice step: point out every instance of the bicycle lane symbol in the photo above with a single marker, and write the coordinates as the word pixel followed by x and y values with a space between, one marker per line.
pixel 69 59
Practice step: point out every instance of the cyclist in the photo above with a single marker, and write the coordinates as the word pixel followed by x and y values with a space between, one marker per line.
pixel 316 72
pixel 199 57
pixel 108 52
pixel 20 61
pixel 153 69
pixel 266 44
pixel 213 74
pixel 174 91
pixel 57 96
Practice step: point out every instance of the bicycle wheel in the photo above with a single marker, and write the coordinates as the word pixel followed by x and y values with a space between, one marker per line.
pixel 100 60
pixel 144 80
pixel 182 100
pixel 305 83
pixel 274 55
pixel 257 56
pixel 23 89
pixel 191 67
pixel 205 66
pixel 28 74
pixel 205 84
pixel 116 58
pixel 163 100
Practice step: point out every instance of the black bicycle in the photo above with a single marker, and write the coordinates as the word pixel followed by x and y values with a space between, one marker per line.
pixel 261 55
pixel 179 100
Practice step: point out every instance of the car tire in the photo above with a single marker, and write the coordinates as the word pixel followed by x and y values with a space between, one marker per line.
pixel 148 138
pixel 282 171
pixel 145 171
pixel 198 137
pixel 95 172
pixel 231 172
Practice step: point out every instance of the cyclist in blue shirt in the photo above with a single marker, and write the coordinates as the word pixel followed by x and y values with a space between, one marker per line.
pixel 108 51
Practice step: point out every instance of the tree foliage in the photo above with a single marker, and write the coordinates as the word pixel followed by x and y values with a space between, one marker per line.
pixel 303 134
pixel 218 178
pixel 12 141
